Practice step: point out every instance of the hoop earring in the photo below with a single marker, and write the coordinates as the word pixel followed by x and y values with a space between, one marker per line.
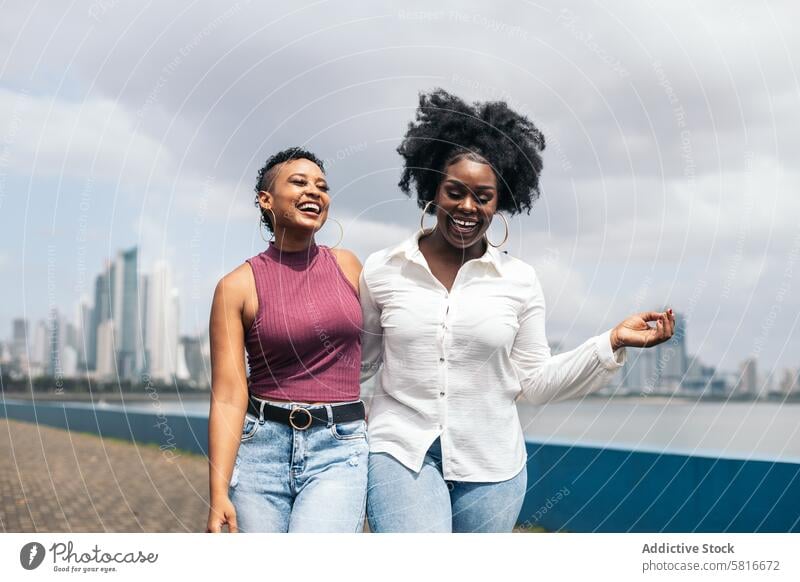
pixel 422 218
pixel 341 231
pixel 505 238
pixel 261 228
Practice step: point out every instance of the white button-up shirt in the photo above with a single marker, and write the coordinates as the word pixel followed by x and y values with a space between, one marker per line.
pixel 454 363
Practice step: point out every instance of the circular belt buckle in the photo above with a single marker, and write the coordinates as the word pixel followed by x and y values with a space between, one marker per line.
pixel 291 418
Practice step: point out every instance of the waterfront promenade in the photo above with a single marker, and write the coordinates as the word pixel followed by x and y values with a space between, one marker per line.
pixel 57 479
pixel 53 480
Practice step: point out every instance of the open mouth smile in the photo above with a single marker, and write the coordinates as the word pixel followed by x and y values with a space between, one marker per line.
pixel 464 227
pixel 310 208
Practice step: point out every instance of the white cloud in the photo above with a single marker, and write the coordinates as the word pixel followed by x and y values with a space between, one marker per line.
pixel 217 90
pixel 363 236
pixel 47 136
pixel 675 220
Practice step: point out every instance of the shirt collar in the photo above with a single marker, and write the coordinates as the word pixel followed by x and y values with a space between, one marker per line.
pixel 409 249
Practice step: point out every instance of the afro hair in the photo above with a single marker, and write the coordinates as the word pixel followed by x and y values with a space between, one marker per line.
pixel 446 129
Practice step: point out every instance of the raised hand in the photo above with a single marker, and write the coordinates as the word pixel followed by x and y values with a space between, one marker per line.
pixel 636 333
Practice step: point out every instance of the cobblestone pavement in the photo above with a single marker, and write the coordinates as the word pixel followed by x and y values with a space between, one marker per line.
pixel 53 480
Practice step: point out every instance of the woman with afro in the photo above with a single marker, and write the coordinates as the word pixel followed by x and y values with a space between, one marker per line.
pixel 457 329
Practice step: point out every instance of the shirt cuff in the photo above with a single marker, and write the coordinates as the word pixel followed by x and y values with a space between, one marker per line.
pixel 611 359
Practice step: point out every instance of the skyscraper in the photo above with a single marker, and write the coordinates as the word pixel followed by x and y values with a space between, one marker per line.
pixel 672 362
pixel 639 373
pixel 191 364
pixel 100 313
pixel 162 324
pixel 106 366
pixel 40 349
pixel 55 342
pixel 85 317
pixel 748 379
pixel 116 300
pixel 19 339
pixel 125 312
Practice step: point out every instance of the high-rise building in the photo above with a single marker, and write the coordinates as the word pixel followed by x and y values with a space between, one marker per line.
pixel 205 349
pixel 106 368
pixel 173 330
pixel 100 312
pixel 659 369
pixel 69 362
pixel 55 342
pixel 702 380
pixel 747 384
pixel 40 350
pixel 672 362
pixel 639 374
pixel 144 316
pixel 162 324
pixel 62 347
pixel 125 312
pixel 789 382
pixel 84 317
pixel 133 326
pixel 19 339
pixel 191 363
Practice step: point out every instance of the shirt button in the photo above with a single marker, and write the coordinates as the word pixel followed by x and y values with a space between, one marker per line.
pixel 441 360
pixel 441 393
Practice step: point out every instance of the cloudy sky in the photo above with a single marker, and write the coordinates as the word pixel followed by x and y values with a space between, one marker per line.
pixel 670 174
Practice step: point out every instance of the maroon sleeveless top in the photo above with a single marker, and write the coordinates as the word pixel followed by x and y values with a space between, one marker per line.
pixel 305 342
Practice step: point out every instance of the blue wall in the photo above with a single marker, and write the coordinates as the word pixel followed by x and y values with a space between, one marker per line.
pixel 570 488
pixel 586 489
pixel 169 432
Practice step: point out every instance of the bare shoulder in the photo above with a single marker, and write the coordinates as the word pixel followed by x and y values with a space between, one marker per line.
pixel 349 264
pixel 346 258
pixel 236 285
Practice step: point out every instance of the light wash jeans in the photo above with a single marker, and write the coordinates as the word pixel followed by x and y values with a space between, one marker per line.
pixel 288 480
pixel 400 500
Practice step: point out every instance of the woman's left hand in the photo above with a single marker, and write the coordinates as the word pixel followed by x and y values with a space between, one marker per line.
pixel 635 332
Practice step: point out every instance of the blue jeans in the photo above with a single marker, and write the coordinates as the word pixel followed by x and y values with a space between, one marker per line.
pixel 400 500
pixel 288 480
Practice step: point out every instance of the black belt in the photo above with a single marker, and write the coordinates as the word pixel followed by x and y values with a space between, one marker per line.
pixel 301 418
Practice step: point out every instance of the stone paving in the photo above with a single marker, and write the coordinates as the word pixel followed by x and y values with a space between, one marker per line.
pixel 52 480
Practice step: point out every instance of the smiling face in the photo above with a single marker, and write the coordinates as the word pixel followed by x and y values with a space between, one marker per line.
pixel 466 202
pixel 297 196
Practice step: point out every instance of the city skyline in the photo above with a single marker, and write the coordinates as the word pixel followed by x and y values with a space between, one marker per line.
pixel 130 331
pixel 669 174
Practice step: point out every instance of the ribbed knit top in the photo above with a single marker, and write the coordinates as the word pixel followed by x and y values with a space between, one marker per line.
pixel 305 342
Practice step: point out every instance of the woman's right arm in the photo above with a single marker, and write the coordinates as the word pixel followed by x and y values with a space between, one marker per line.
pixel 545 378
pixel 228 395
pixel 372 334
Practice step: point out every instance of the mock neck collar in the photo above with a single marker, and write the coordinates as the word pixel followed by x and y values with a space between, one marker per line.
pixel 301 257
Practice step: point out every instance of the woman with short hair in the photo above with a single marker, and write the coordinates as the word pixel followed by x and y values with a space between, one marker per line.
pixel 288 444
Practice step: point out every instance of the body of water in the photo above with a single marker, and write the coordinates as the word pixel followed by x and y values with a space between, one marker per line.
pixel 737 430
